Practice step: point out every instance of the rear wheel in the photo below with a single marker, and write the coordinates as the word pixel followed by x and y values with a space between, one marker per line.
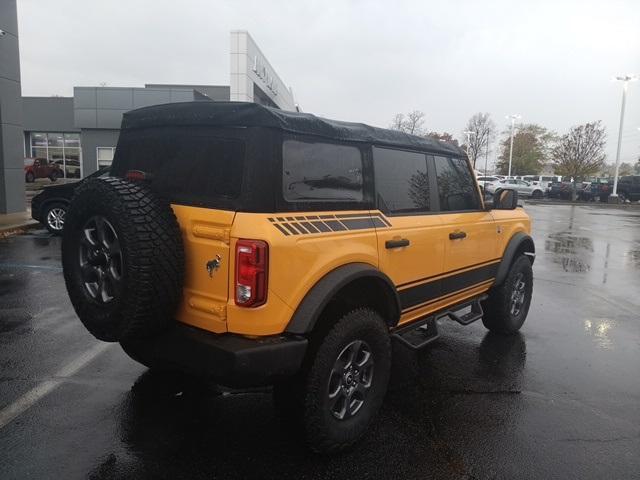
pixel 508 304
pixel 343 386
pixel 123 259
pixel 537 194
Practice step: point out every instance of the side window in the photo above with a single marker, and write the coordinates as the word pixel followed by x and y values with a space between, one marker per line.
pixel 321 172
pixel 456 188
pixel 402 182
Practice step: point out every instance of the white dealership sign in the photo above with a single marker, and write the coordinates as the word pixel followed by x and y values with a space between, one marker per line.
pixel 253 79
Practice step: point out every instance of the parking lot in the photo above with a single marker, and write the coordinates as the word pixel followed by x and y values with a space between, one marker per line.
pixel 559 400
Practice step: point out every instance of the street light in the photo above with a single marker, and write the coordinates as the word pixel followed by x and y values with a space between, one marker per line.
pixel 625 79
pixel 513 119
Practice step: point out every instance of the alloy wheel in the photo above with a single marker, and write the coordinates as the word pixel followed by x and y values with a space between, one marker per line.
pixel 350 380
pixel 518 295
pixel 55 218
pixel 100 259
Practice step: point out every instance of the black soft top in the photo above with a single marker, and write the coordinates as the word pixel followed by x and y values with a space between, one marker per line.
pixel 244 114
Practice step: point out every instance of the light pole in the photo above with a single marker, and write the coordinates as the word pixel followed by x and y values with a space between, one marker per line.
pixel 625 79
pixel 468 133
pixel 513 119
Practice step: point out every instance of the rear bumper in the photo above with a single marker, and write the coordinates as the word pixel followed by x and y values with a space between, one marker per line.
pixel 230 359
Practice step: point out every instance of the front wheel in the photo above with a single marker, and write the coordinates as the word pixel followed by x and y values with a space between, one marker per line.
pixel 508 304
pixel 537 194
pixel 344 384
pixel 54 218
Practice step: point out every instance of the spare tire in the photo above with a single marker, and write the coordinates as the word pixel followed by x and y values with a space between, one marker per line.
pixel 123 259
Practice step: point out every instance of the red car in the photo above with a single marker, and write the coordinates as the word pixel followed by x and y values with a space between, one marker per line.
pixel 40 168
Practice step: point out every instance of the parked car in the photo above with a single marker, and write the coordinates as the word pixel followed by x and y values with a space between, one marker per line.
pixel 41 168
pixel 49 207
pixel 523 188
pixel 561 188
pixel 544 181
pixel 276 254
pixel 628 188
pixel 484 181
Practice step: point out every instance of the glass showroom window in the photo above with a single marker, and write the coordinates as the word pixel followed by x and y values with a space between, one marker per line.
pixel 105 156
pixel 60 148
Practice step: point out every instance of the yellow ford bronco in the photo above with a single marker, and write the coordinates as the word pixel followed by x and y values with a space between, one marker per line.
pixel 258 246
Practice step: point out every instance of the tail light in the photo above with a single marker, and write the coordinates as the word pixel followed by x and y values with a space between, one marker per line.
pixel 252 272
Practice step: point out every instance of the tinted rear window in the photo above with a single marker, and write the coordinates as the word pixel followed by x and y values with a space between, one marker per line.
pixel 187 167
pixel 321 172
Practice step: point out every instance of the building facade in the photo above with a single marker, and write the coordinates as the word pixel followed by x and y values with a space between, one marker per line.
pixel 80 133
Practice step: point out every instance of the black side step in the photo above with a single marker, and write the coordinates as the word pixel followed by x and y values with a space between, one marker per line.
pixel 418 334
pixel 465 318
pixel 422 332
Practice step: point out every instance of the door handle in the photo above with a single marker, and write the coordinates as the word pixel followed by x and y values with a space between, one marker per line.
pixel 457 235
pixel 403 242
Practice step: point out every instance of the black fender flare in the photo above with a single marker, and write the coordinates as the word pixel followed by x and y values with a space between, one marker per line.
pixel 520 242
pixel 306 315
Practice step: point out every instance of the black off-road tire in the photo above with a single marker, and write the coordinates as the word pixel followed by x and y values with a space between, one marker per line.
pixel 499 313
pixel 149 289
pixel 305 399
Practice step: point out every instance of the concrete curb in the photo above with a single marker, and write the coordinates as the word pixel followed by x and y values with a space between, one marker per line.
pixel 626 206
pixel 11 230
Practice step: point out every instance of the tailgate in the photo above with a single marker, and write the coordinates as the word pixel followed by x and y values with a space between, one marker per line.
pixel 205 233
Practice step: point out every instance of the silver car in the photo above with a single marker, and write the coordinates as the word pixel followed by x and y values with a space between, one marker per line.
pixel 524 189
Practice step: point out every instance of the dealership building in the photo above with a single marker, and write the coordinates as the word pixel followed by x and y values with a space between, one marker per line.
pixel 80 133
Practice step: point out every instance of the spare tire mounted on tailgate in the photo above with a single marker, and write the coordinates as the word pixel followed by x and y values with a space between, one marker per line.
pixel 123 259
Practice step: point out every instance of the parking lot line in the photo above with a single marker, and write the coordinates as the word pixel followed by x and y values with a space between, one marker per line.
pixel 30 398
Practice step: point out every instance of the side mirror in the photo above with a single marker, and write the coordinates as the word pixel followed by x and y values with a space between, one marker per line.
pixel 505 199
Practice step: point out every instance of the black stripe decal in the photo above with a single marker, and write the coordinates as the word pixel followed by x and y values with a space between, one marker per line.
pixel 384 220
pixel 281 229
pixel 444 297
pixel 290 228
pixel 321 226
pixel 329 223
pixel 334 225
pixel 309 227
pixel 435 289
pixel 357 223
pixel 352 215
pixel 298 227
pixel 446 273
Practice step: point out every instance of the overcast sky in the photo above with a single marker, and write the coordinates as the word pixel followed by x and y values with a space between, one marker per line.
pixel 549 61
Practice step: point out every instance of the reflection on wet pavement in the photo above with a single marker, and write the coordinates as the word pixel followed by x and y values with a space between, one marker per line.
pixel 572 252
pixel 599 330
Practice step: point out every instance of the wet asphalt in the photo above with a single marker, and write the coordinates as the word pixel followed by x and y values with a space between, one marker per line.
pixel 559 400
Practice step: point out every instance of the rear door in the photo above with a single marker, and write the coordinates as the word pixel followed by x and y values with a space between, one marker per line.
pixel 411 240
pixel 471 234
pixel 206 238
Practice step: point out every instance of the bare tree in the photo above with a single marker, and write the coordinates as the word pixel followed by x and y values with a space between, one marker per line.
pixel 482 130
pixel 581 151
pixel 411 123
